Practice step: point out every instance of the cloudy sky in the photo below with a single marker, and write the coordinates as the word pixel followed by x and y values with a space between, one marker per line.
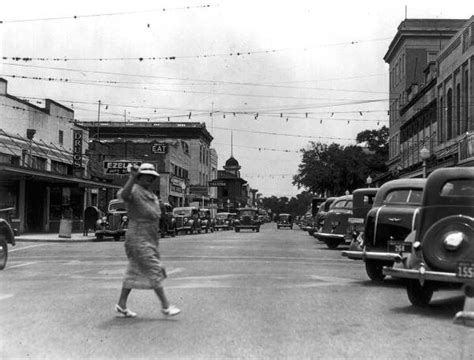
pixel 275 74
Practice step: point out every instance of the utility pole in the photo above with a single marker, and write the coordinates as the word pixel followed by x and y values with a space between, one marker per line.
pixel 98 122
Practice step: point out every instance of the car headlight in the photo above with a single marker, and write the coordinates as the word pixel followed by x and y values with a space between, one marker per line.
pixel 453 240
pixel 104 219
pixel 124 218
pixel 185 219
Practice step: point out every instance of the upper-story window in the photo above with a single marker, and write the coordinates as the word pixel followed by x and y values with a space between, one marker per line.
pixel 61 137
pixel 431 56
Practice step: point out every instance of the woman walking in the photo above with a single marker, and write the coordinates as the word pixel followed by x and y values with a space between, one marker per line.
pixel 144 270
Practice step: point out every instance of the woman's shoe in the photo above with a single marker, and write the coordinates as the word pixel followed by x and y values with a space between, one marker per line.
pixel 171 311
pixel 125 312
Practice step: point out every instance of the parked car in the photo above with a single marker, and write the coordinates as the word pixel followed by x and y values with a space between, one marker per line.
pixel 321 214
pixel 335 230
pixel 442 251
pixel 114 223
pixel 387 224
pixel 224 221
pixel 7 235
pixel 285 220
pixel 187 219
pixel 207 221
pixel 167 220
pixel 247 218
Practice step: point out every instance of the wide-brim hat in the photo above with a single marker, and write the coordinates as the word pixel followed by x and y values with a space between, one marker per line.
pixel 147 169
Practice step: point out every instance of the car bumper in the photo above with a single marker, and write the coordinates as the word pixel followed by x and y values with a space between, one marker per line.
pixel 110 232
pixel 422 274
pixel 372 255
pixel 328 236
pixel 246 226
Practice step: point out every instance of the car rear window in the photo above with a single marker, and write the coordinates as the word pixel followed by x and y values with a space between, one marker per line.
pixel 404 196
pixel 246 213
pixel 182 212
pixel 458 187
pixel 342 204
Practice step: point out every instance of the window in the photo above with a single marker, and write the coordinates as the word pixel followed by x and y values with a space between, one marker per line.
pixel 38 163
pixel 403 196
pixel 461 187
pixel 431 56
pixel 449 115
pixel 61 137
pixel 458 109
pixel 465 102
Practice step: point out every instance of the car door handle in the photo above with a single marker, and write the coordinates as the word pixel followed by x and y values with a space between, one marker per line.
pixel 394 219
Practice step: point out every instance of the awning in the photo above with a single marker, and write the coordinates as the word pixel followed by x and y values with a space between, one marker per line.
pixel 18 173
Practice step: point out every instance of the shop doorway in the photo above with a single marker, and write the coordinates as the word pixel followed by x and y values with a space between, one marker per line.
pixel 35 206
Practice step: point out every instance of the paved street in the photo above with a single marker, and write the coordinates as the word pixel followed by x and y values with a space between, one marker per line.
pixel 276 294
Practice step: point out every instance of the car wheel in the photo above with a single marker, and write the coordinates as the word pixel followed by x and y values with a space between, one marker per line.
pixel 419 295
pixel 257 229
pixel 332 244
pixel 173 232
pixel 207 231
pixel 3 251
pixel 374 270
pixel 116 237
pixel 278 227
pixel 100 237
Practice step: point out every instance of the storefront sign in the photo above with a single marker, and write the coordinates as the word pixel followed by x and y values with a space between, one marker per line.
pixel 118 167
pixel 77 149
pixel 217 183
pixel 159 148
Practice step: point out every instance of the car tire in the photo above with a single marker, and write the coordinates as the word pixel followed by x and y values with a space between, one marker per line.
pixel 100 237
pixel 374 270
pixel 257 229
pixel 3 251
pixel 116 237
pixel 332 244
pixel 419 295
pixel 173 232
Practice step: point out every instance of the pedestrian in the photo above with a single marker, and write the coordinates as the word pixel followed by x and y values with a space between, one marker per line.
pixel 144 270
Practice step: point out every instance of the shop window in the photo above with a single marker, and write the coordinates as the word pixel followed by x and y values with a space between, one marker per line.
pixel 38 163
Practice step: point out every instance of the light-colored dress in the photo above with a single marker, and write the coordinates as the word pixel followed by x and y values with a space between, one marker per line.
pixel 144 270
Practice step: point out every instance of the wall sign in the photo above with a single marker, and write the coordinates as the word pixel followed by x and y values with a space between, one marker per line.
pixel 118 167
pixel 159 148
pixel 77 149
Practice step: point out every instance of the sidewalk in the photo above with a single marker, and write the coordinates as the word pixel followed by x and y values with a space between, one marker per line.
pixel 54 237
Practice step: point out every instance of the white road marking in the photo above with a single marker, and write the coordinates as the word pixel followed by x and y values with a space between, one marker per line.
pixel 21 265
pixel 5 296
pixel 28 247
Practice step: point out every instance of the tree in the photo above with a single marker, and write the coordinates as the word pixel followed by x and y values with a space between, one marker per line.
pixel 330 170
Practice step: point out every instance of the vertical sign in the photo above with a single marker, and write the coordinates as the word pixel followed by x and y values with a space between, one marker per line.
pixel 77 149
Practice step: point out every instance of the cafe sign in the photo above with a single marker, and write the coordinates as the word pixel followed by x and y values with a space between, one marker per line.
pixel 118 167
pixel 158 148
pixel 77 149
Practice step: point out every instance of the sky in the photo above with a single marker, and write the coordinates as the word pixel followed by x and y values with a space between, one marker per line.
pixel 270 75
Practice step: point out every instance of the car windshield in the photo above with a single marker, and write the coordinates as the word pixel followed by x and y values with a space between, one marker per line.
pixel 458 187
pixel 404 196
pixel 117 206
pixel 342 204
pixel 246 213
pixel 204 213
pixel 182 212
pixel 284 216
pixel 222 216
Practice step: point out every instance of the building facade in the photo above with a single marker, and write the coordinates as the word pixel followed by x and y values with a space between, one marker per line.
pixel 180 152
pixel 44 173
pixel 429 64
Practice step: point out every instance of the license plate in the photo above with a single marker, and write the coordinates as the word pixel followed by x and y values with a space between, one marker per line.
pixel 399 246
pixel 355 220
pixel 465 270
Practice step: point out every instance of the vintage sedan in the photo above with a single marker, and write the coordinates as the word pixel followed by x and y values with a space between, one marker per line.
pixel 224 221
pixel 247 218
pixel 442 253
pixel 321 214
pixel 7 235
pixel 187 219
pixel 167 220
pixel 207 221
pixel 285 220
pixel 114 223
pixel 387 224
pixel 335 230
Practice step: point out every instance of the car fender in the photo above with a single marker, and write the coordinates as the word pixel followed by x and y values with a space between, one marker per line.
pixel 6 229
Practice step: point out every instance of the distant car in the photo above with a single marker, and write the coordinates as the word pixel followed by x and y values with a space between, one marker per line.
pixel 335 230
pixel 114 223
pixel 388 223
pixel 187 219
pixel 167 220
pixel 7 235
pixel 442 252
pixel 224 221
pixel 207 221
pixel 247 218
pixel 321 214
pixel 285 220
